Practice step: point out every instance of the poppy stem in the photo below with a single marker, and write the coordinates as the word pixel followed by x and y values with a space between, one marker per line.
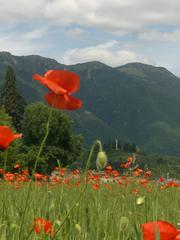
pixel 5 161
pixel 97 142
pixel 43 141
pixel 34 169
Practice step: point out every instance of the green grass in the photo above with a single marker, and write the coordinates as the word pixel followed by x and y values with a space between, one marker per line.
pixel 108 213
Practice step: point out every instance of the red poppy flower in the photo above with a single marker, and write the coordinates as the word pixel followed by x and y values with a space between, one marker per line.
pixel 137 173
pixel 124 165
pixel 38 176
pixel 66 102
pixel 61 84
pixel 148 173
pixel 7 136
pixel 115 173
pixel 165 230
pixel 95 178
pixel 17 166
pixel 130 160
pixel 75 172
pixel 40 224
pixel 173 184
pixel 108 169
pixel 161 179
pixel 96 186
pixel 135 191
pixel 178 236
pixel 9 177
pixel 144 181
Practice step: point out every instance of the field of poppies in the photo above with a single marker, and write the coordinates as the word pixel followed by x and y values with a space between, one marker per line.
pixel 88 204
pixel 71 205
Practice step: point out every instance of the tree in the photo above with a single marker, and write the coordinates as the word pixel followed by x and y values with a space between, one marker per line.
pixel 61 143
pixel 1 95
pixel 5 119
pixel 12 101
pixel 21 105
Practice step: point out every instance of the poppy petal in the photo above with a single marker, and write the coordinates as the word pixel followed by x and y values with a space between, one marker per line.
pixel 66 79
pixel 178 235
pixel 52 85
pixel 7 136
pixel 166 230
pixel 42 224
pixel 65 101
pixel 16 136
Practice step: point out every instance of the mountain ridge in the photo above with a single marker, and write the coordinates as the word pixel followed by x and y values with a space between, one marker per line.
pixel 135 102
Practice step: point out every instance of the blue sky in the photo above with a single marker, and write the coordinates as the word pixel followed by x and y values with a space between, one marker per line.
pixel 114 32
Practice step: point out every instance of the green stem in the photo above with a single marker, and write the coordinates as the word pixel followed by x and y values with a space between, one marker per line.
pixel 34 169
pixel 5 161
pixel 90 156
pixel 98 142
pixel 43 141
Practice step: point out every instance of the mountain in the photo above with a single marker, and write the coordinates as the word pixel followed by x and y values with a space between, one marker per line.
pixel 135 102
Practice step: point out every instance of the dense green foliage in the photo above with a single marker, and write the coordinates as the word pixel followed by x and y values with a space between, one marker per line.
pixel 5 119
pixel 117 144
pixel 13 103
pixel 60 145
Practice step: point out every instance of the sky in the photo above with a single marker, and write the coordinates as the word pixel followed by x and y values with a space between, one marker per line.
pixel 115 32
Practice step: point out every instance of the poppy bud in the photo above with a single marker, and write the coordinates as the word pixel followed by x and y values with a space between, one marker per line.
pixel 140 200
pixel 77 228
pixel 101 160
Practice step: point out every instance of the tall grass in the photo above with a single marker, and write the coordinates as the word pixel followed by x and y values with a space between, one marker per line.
pixel 110 212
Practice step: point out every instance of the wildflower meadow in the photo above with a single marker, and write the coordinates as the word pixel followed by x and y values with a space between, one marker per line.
pixel 105 203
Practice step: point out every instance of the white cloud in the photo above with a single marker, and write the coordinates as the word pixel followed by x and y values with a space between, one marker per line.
pixel 78 17
pixel 114 15
pixel 118 16
pixel 35 34
pixel 13 11
pixel 158 36
pixel 107 53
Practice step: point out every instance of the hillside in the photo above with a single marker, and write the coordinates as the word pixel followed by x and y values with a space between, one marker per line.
pixel 135 102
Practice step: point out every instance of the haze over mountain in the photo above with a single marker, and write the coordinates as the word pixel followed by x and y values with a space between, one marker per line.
pixel 136 102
